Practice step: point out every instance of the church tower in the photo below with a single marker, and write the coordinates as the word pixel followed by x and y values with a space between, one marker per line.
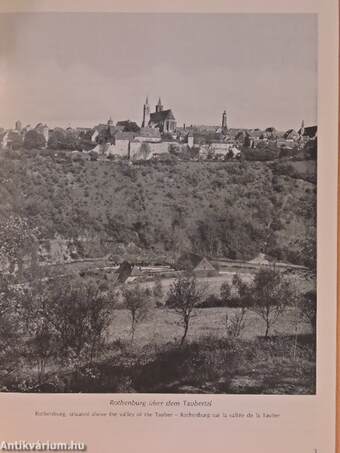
pixel 224 121
pixel 159 106
pixel 302 130
pixel 18 126
pixel 146 113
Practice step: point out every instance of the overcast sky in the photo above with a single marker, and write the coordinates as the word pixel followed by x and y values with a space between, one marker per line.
pixel 80 68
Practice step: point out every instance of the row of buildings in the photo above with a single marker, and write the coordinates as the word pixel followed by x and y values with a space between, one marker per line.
pixel 157 134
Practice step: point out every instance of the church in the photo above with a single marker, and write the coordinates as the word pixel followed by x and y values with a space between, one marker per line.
pixel 163 120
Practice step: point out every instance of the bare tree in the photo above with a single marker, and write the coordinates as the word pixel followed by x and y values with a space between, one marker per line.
pixel 270 296
pixel 184 295
pixel 157 291
pixel 137 302
pixel 237 321
pixel 307 306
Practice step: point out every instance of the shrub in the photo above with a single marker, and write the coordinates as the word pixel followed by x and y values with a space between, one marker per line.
pixel 211 301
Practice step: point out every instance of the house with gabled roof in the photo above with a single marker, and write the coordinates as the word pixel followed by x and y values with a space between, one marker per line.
pixel 198 265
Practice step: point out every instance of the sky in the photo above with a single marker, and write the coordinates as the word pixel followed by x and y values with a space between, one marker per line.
pixel 79 69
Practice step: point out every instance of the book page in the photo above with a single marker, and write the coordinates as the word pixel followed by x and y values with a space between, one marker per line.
pixel 168 226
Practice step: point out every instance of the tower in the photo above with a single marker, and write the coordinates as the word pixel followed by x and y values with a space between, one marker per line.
pixel 224 121
pixel 302 130
pixel 146 113
pixel 45 132
pixel 18 126
pixel 110 122
pixel 159 106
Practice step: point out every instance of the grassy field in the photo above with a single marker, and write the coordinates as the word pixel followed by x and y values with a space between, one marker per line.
pixel 163 326
pixel 212 285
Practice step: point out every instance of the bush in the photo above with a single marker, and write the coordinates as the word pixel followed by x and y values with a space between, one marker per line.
pixel 211 301
pixel 264 154
pixel 34 140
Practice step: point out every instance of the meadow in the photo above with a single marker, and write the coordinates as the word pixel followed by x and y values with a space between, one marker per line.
pixel 163 326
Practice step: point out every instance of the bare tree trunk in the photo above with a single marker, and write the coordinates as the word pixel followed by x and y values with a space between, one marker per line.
pixel 267 328
pixel 186 326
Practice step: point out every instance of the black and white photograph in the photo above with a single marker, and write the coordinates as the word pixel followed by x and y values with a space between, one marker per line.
pixel 158 193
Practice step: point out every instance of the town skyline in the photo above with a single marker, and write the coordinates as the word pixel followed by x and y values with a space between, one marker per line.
pixel 261 69
pixel 94 122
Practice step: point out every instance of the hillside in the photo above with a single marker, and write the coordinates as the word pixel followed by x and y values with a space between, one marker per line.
pixel 226 209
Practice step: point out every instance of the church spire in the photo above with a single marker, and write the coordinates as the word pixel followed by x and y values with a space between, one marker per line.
pixel 159 106
pixel 146 113
pixel 224 121
pixel 302 129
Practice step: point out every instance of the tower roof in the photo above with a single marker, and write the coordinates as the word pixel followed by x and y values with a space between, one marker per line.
pixel 159 102
pixel 147 100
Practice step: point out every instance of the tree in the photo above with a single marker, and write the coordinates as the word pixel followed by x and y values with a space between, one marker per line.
pixel 34 140
pixel 157 291
pixel 137 302
pixel 225 293
pixel 246 142
pixel 236 323
pixel 129 126
pixel 83 313
pixel 64 321
pixel 56 139
pixel 307 250
pixel 17 238
pixel 61 139
pixel 229 155
pixel 36 314
pixel 10 322
pixel 307 308
pixel 184 295
pixel 270 294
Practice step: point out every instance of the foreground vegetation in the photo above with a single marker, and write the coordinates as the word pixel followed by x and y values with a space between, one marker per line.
pixel 71 336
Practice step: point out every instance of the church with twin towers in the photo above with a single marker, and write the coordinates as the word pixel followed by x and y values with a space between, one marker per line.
pixel 164 120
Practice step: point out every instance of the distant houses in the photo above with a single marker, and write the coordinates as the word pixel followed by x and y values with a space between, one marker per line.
pixel 157 136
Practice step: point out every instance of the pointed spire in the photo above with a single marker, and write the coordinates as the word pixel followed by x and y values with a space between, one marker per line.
pixel 147 100
pixel 159 101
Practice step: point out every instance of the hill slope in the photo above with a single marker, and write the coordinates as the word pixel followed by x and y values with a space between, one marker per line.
pixel 226 209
